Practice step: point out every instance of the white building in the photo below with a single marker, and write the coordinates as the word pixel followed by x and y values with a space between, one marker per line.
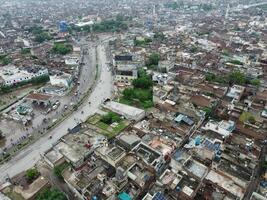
pixel 129 112
pixel 71 60
pixel 61 80
pixel 223 128
pixel 235 92
pixel 11 75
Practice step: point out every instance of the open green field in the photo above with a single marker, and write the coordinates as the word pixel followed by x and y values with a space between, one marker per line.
pixel 109 130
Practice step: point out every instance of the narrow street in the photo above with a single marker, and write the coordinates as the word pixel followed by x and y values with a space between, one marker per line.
pixel 257 175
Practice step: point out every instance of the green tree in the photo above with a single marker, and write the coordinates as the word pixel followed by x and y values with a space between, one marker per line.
pixel 51 194
pixel 247 117
pixel 255 82
pixel 194 49
pixel 142 82
pixel 110 118
pixel 25 51
pixel 32 174
pixel 6 60
pixel 159 36
pixel 153 59
pixel 59 169
pixel 237 77
pixel 41 37
pixel 128 93
pixel 62 49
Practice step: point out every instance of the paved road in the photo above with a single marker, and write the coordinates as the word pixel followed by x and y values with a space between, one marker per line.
pixel 15 131
pixel 29 156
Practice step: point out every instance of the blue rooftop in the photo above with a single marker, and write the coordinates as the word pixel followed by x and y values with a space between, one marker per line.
pixel 124 196
pixel 159 196
pixel 185 119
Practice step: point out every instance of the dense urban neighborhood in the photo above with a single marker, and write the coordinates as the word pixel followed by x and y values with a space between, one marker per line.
pixel 133 100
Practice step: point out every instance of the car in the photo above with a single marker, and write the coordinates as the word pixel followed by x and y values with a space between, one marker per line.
pixel 65 107
pixel 54 107
pixel 48 110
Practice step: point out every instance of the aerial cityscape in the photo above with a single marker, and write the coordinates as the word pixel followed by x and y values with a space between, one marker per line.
pixel 133 100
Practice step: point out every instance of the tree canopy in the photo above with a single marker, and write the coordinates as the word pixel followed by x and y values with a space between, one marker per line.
pixel 5 59
pixel 143 81
pixel 51 194
pixel 153 59
pixel 237 77
pixel 32 174
pixel 61 48
pixel 109 26
pixel 110 118
pixel 142 93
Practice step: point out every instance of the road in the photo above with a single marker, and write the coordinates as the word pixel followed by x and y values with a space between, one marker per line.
pixel 239 8
pixel 28 157
pixel 258 172
pixel 15 131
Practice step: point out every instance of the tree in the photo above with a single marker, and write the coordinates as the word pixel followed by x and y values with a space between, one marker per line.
pixel 25 51
pixel 247 117
pixel 159 36
pixel 32 174
pixel 62 49
pixel 51 194
pixel 5 59
pixel 59 169
pixel 110 118
pixel 153 59
pixel 128 93
pixel 237 77
pixel 194 49
pixel 142 82
pixel 41 37
pixel 255 82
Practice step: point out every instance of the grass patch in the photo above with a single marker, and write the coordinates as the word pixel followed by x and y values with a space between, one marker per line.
pixel 94 119
pixel 102 125
pixel 119 127
pixel 108 130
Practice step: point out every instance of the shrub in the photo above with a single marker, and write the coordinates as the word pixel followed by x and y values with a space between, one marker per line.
pixel 32 174
pixel 51 194
pixel 110 118
pixel 59 169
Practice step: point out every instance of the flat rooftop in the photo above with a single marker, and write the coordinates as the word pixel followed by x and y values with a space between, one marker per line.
pixel 39 97
pixel 196 168
pixel 115 153
pixel 226 183
pixel 129 112
pixel 146 153
pixel 68 152
pixel 53 156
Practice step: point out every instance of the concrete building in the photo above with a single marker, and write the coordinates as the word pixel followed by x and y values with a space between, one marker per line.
pixel 61 80
pixel 126 73
pixel 129 112
pixel 11 75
